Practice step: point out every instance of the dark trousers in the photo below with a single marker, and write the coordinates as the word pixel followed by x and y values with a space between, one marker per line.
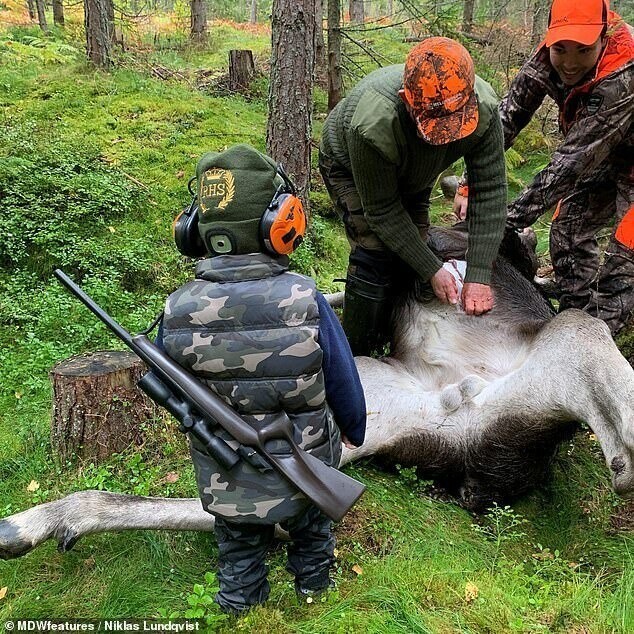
pixel 242 571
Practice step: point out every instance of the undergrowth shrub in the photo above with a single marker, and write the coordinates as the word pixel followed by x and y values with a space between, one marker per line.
pixel 201 604
pixel 58 197
pixel 315 246
pixel 29 42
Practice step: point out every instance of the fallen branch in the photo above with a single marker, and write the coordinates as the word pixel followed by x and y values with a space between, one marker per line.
pixel 135 181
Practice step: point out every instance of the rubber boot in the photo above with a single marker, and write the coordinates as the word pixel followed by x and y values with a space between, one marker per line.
pixel 366 313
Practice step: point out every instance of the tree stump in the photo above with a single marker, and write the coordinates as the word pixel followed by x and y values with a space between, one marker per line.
pixel 97 408
pixel 241 70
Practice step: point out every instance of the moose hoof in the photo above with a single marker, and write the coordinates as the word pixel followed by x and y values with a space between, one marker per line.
pixel 67 540
pixel 622 477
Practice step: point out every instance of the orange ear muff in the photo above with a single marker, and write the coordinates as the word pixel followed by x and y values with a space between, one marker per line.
pixel 283 224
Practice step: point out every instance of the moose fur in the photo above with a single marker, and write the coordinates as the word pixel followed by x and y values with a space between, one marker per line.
pixel 478 403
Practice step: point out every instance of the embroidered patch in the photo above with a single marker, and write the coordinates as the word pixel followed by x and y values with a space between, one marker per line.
pixel 594 103
pixel 216 190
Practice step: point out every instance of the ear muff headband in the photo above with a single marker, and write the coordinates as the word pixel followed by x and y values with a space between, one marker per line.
pixel 283 224
pixel 185 229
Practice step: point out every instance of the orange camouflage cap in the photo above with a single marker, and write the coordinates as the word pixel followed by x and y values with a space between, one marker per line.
pixel 438 85
pixel 578 21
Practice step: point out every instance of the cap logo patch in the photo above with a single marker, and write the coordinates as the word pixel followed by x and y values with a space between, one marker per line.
pixel 217 189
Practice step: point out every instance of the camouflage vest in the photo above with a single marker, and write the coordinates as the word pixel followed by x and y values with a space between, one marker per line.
pixel 249 329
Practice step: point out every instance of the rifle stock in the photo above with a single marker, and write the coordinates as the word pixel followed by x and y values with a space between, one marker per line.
pixel 330 490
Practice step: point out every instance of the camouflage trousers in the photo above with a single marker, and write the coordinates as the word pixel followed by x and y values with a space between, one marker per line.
pixel 242 548
pixel 603 287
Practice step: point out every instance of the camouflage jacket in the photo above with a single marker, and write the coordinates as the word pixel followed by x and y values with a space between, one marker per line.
pixel 249 329
pixel 596 119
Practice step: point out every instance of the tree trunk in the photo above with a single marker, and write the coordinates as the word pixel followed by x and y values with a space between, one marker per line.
pixel 335 76
pixel 253 14
pixel 356 11
pixel 110 18
pixel 97 408
pixel 467 16
pixel 41 15
pixel 198 20
pixel 98 36
pixel 32 10
pixel 241 70
pixel 58 13
pixel 321 58
pixel 540 21
pixel 289 131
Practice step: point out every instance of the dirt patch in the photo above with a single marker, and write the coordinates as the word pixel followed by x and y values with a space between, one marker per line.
pixel 359 527
pixel 623 520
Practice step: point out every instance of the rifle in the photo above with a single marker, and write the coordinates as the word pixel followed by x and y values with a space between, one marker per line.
pixel 197 408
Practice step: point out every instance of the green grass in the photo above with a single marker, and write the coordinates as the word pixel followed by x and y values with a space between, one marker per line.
pixel 93 168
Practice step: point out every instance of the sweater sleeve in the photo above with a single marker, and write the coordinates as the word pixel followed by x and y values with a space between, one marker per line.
pixel 344 393
pixel 588 143
pixel 377 183
pixel 486 212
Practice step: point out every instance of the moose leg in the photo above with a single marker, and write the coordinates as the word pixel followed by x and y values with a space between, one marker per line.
pixel 574 373
pixel 89 512
pixel 86 512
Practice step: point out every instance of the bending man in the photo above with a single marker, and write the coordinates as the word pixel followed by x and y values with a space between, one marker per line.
pixel 382 150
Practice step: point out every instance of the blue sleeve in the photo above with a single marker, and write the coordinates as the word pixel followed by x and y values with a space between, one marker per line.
pixel 343 386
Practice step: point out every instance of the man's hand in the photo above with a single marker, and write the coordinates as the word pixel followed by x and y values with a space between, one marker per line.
pixel 444 286
pixel 477 299
pixel 347 443
pixel 460 206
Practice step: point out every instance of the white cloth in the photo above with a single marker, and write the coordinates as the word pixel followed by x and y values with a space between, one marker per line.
pixel 457 268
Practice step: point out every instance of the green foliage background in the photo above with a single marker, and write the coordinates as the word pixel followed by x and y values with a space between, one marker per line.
pixel 93 168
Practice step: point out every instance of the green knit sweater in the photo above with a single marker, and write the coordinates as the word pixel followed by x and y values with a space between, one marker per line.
pixel 372 136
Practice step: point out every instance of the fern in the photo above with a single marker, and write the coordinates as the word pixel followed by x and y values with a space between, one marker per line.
pixel 46 50
pixel 513 159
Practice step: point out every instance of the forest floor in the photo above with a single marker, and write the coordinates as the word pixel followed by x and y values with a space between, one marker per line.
pixel 93 168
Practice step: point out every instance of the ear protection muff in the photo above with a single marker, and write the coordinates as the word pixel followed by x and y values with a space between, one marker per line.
pixel 283 224
pixel 185 228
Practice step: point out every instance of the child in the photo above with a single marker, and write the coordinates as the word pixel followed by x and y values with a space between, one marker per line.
pixel 265 340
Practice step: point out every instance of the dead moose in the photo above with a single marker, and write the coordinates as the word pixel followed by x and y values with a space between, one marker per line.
pixel 478 403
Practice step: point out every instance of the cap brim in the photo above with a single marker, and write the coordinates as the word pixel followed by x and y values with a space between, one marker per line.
pixel 451 127
pixel 586 34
